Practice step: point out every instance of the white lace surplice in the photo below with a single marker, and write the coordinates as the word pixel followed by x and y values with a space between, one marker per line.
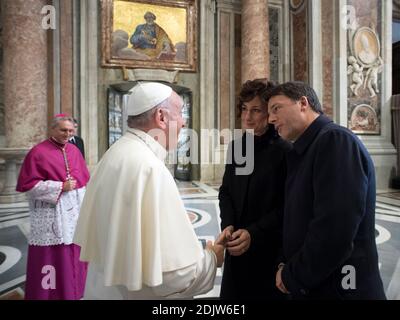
pixel 53 213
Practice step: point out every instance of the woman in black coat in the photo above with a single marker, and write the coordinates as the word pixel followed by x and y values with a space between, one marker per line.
pixel 251 205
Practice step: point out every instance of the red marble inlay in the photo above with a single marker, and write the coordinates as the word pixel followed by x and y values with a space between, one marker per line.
pixel 300 44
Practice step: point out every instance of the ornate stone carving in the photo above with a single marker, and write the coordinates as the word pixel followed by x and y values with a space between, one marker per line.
pixel 364 119
pixel 357 77
pixel 365 62
pixel 371 77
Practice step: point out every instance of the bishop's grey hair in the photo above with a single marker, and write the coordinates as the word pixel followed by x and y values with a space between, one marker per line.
pixel 56 120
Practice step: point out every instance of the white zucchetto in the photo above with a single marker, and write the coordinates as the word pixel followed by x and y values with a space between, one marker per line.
pixel 145 96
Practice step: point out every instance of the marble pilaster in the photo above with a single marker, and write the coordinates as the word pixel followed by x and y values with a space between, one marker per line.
pixel 66 57
pixel 25 86
pixel 255 39
pixel 208 77
pixel 299 17
pixel 89 81
pixel 25 72
pixel 376 133
pixel 327 24
pixel 1 85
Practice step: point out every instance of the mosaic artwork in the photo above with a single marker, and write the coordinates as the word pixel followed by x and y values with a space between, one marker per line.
pixel 149 34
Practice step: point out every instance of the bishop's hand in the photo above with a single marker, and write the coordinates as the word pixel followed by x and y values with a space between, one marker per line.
pixel 69 185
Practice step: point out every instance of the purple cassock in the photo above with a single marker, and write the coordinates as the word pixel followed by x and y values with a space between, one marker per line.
pixel 54 271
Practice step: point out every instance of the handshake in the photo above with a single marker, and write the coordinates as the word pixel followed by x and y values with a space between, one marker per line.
pixel 236 242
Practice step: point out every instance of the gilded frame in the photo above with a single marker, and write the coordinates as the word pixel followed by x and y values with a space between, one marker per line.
pixel 167 46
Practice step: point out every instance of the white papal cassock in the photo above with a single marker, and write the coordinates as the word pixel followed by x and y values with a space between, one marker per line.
pixel 134 231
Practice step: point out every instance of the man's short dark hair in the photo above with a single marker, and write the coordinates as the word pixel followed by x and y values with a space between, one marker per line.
pixel 295 90
pixel 253 88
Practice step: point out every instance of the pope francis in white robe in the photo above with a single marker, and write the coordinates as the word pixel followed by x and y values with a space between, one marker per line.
pixel 134 231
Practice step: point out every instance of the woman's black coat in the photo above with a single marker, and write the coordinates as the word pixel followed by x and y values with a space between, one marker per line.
pixel 255 202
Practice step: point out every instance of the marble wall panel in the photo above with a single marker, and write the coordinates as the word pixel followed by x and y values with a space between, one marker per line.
pixel 25 72
pixel 299 25
pixel 274 43
pixel 1 78
pixel 364 52
pixel 327 15
pixel 225 70
pixel 66 56
pixel 255 35
pixel 238 58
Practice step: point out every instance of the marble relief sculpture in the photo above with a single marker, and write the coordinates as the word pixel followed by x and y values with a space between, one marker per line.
pixel 371 77
pixel 357 76
pixel 364 119
pixel 364 62
pixel 367 54
pixel 365 46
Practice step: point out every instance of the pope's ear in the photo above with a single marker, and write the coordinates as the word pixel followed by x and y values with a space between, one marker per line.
pixel 161 118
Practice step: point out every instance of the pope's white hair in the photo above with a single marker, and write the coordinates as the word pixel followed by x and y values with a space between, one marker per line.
pixel 144 120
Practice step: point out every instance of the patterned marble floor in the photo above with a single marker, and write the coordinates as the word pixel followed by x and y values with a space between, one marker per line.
pixel 201 203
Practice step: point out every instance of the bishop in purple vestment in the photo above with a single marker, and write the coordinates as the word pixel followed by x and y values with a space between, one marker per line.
pixel 54 176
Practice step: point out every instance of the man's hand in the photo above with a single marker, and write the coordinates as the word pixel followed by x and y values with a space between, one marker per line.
pixel 218 250
pixel 279 282
pixel 225 236
pixel 69 185
pixel 239 243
